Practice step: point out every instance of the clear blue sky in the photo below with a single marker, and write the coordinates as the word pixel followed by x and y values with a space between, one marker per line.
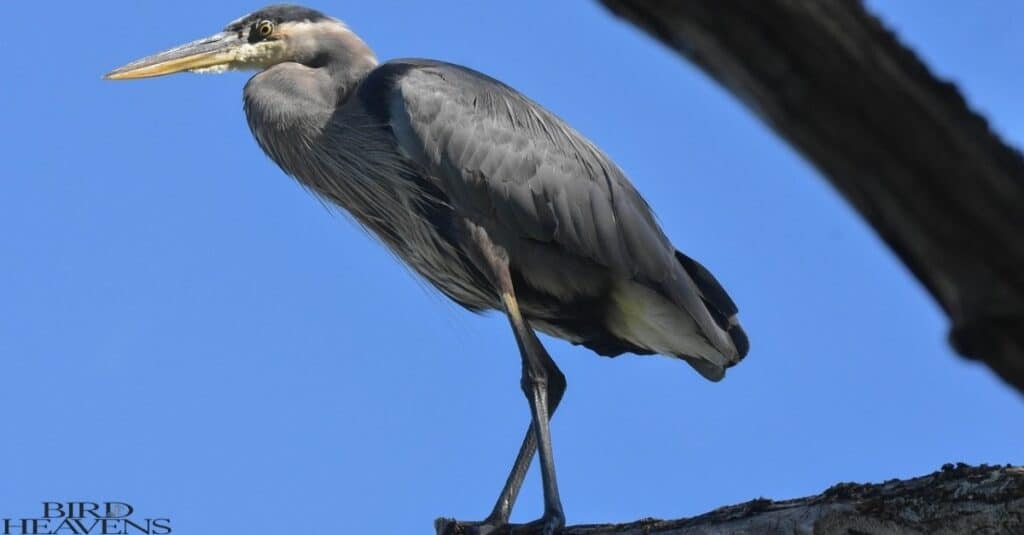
pixel 185 329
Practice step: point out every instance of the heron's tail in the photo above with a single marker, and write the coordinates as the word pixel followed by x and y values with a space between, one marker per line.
pixel 723 310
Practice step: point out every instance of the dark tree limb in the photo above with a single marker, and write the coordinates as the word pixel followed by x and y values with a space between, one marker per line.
pixel 955 500
pixel 903 147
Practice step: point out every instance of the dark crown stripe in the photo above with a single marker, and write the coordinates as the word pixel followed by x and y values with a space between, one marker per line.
pixel 279 13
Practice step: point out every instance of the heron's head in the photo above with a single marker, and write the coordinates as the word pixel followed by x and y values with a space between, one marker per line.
pixel 275 34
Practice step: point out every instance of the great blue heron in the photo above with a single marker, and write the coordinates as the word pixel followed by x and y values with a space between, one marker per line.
pixel 484 193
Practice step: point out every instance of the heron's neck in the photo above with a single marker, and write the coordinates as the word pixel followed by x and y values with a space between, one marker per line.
pixel 346 62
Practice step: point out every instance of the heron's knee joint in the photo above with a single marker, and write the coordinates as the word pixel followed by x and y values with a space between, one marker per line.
pixel 534 380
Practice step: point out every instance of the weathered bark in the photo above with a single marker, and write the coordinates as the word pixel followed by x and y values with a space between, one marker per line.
pixel 955 500
pixel 902 146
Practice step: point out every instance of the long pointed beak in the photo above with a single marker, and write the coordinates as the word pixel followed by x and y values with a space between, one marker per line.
pixel 213 52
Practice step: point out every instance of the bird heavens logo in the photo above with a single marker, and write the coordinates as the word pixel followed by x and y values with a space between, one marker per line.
pixel 86 518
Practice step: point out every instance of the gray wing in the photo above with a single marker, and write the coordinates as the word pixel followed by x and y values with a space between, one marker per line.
pixel 500 157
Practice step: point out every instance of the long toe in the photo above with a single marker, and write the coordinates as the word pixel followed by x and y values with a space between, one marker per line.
pixel 450 526
pixel 551 524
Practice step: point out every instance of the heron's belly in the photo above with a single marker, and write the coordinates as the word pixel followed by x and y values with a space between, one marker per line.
pixel 455 282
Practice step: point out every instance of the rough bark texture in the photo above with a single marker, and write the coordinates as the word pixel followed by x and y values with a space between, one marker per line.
pixel 958 499
pixel 902 146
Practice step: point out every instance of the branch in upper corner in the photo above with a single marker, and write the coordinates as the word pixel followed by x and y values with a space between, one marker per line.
pixel 955 500
pixel 942 190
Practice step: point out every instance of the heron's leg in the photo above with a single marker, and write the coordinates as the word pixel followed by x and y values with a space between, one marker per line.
pixel 536 385
pixel 497 521
pixel 507 499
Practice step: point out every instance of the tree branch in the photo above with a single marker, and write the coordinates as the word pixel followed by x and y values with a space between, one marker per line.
pixel 943 191
pixel 955 500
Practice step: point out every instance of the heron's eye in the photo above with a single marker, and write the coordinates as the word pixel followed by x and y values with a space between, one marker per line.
pixel 265 28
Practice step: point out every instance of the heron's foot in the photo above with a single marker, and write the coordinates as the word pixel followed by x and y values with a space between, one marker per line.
pixel 549 524
pixel 450 526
